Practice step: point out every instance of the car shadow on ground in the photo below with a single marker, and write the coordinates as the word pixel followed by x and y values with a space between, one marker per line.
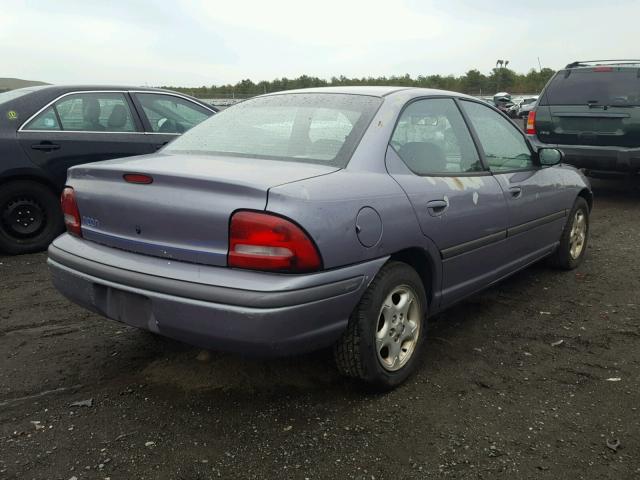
pixel 168 363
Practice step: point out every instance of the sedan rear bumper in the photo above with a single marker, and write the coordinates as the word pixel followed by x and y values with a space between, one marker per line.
pixel 207 306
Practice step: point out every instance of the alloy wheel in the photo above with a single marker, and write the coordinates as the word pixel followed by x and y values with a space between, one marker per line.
pixel 398 328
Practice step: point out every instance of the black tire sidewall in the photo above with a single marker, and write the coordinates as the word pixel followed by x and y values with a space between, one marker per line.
pixel 48 200
pixel 565 244
pixel 393 275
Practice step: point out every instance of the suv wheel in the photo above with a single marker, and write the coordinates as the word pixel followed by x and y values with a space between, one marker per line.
pixel 30 217
pixel 386 331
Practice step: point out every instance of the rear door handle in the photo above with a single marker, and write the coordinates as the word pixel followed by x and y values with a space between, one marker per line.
pixel 437 207
pixel 516 192
pixel 45 146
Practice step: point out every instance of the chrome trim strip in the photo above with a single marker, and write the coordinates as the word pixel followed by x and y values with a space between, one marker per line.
pixel 75 92
pixel 58 98
pixel 91 131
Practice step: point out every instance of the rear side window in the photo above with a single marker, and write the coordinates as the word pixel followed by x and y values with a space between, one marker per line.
pixel 597 86
pixel 86 112
pixel 432 138
pixel 47 120
pixel 312 127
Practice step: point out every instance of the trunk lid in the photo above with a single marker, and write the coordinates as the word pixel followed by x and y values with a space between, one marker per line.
pixel 184 213
pixel 597 106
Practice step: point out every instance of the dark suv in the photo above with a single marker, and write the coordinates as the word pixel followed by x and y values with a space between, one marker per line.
pixel 591 111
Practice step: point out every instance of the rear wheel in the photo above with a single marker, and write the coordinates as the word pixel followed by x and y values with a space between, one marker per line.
pixel 574 239
pixel 30 217
pixel 384 337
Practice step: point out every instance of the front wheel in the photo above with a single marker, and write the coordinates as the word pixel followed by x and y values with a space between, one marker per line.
pixel 574 238
pixel 385 334
pixel 30 217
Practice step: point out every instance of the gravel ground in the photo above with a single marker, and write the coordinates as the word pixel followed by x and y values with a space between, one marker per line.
pixel 535 378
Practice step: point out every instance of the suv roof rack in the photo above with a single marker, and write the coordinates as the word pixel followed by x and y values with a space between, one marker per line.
pixel 586 63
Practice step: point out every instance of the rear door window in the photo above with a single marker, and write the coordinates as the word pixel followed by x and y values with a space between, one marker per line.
pixel 594 86
pixel 432 138
pixel 86 112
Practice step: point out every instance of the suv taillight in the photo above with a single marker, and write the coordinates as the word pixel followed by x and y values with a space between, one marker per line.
pixel 531 123
pixel 70 211
pixel 262 241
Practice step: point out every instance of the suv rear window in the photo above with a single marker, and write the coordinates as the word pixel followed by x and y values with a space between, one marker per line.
pixel 598 86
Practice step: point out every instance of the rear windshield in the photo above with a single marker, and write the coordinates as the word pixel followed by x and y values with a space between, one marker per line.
pixel 299 127
pixel 608 86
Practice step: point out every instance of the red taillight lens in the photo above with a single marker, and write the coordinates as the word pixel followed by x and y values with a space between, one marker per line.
pixel 603 69
pixel 261 241
pixel 531 123
pixel 70 211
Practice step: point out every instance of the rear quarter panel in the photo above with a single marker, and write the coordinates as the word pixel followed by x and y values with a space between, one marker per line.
pixel 327 208
pixel 13 161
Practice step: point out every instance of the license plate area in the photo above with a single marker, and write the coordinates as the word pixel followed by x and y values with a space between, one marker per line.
pixel 131 308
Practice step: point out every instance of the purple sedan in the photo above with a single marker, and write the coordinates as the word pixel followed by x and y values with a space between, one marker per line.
pixel 339 217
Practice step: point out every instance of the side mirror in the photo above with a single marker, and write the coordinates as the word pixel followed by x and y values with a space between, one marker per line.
pixel 550 156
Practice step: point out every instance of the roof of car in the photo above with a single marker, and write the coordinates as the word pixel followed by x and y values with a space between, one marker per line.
pixel 603 63
pixel 375 91
pixel 65 88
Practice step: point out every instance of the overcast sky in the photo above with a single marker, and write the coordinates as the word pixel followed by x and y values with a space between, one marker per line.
pixel 200 42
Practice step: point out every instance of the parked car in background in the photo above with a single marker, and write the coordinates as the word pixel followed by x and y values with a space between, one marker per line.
pixel 503 102
pixel 305 219
pixel 46 130
pixel 526 105
pixel 591 110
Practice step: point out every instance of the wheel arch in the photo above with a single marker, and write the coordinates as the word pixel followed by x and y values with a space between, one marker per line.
pixel 422 262
pixel 588 196
pixel 29 175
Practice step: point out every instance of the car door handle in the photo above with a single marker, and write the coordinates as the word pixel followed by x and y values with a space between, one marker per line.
pixel 516 192
pixel 45 146
pixel 437 207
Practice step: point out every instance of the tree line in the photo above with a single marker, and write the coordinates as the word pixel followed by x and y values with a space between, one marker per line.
pixel 473 82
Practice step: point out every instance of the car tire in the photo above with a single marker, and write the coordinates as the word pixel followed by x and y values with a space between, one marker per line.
pixel 383 341
pixel 574 238
pixel 30 217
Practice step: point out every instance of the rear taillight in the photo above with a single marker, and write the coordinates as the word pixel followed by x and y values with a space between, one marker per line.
pixel 70 211
pixel 531 123
pixel 262 241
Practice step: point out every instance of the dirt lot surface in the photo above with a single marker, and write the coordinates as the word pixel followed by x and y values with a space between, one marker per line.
pixel 535 378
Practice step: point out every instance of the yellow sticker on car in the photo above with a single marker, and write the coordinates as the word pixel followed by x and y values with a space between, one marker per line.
pixel 12 115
